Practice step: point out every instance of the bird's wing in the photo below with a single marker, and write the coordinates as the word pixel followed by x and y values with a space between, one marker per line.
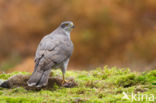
pixel 51 50
pixel 46 44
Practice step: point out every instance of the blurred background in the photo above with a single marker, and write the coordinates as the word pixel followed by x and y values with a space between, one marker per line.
pixel 118 33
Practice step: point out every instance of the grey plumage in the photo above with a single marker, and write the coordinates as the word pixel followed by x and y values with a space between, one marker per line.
pixel 53 51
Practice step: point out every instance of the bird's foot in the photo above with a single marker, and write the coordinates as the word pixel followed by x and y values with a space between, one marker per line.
pixel 64 81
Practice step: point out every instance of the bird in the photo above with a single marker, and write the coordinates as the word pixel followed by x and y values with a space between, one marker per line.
pixel 54 51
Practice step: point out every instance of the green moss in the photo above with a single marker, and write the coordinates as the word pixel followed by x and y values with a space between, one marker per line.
pixel 8 99
pixel 102 85
pixel 6 76
pixel 125 80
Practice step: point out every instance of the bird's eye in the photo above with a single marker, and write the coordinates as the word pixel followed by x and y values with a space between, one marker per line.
pixel 66 24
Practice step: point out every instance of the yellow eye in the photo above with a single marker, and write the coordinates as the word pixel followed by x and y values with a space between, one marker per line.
pixel 66 24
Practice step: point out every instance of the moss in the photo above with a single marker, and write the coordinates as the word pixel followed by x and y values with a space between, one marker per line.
pixel 126 80
pixel 6 76
pixel 102 85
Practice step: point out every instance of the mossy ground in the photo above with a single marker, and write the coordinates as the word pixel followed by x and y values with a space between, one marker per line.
pixel 102 85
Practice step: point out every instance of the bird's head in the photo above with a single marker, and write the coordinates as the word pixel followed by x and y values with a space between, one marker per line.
pixel 67 25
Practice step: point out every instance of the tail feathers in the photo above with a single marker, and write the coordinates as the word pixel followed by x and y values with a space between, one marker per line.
pixel 40 75
pixel 44 79
pixel 39 78
pixel 35 78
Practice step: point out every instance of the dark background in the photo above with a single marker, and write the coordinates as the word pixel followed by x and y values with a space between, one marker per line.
pixel 108 32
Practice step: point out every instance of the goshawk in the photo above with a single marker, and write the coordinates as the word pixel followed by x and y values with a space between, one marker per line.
pixel 53 51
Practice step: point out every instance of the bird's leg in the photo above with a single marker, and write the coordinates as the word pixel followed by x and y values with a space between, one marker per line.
pixel 63 77
pixel 64 68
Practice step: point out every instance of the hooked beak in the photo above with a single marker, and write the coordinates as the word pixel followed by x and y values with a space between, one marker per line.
pixel 73 26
